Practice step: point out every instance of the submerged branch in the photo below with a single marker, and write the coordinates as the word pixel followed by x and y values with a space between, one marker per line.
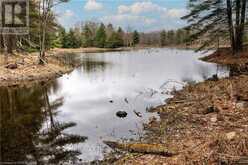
pixel 156 149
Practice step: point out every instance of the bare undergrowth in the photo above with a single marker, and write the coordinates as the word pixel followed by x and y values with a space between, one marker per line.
pixel 205 123
pixel 28 70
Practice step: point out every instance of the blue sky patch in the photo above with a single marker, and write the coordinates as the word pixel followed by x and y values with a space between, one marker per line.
pixel 141 15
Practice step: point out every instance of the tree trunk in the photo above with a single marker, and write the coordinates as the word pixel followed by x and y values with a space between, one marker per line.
pixel 237 26
pixel 1 43
pixel 45 14
pixel 230 24
pixel 242 24
pixel 238 6
pixel 43 49
pixel 41 37
pixel 9 44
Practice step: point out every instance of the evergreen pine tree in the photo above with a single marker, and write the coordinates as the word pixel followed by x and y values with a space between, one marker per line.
pixel 100 38
pixel 87 37
pixel 70 40
pixel 114 41
pixel 63 38
pixel 171 37
pixel 163 38
pixel 120 33
pixel 136 37
pixel 210 20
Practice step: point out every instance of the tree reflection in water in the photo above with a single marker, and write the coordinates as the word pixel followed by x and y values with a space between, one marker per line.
pixel 86 61
pixel 90 65
pixel 29 131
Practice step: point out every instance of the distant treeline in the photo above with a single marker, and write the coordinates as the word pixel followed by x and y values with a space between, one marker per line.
pixel 93 34
pixel 90 34
pixel 165 38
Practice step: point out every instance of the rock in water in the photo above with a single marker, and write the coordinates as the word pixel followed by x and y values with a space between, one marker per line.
pixel 214 78
pixel 121 114
pixel 11 66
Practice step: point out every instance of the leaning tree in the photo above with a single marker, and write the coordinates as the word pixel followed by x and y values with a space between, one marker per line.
pixel 214 20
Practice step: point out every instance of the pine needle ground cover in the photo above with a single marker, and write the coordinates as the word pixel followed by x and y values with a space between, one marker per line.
pixel 204 123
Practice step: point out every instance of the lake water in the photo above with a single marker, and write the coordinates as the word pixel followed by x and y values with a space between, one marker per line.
pixel 90 96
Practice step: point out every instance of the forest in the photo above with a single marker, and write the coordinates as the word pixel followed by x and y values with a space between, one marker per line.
pixel 46 33
pixel 102 92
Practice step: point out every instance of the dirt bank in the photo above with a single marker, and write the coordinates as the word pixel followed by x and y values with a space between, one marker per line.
pixel 205 123
pixel 22 69
pixel 28 71
pixel 90 50
pixel 224 57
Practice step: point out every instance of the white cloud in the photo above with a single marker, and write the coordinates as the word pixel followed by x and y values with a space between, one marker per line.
pixel 140 7
pixel 123 9
pixel 147 16
pixel 176 13
pixel 66 18
pixel 68 13
pixel 93 5
pixel 127 19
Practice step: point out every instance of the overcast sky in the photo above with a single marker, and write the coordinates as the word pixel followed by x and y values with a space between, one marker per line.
pixel 143 15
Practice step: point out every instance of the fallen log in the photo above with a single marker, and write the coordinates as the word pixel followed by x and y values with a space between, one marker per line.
pixel 155 149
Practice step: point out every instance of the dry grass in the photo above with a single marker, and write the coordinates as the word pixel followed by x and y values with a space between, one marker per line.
pixel 87 50
pixel 28 70
pixel 199 135
pixel 206 123
pixel 224 56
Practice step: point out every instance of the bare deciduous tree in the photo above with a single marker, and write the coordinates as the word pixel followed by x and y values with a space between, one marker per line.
pixel 45 13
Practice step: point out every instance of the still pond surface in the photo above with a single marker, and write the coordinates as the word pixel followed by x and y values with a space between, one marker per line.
pixel 39 119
